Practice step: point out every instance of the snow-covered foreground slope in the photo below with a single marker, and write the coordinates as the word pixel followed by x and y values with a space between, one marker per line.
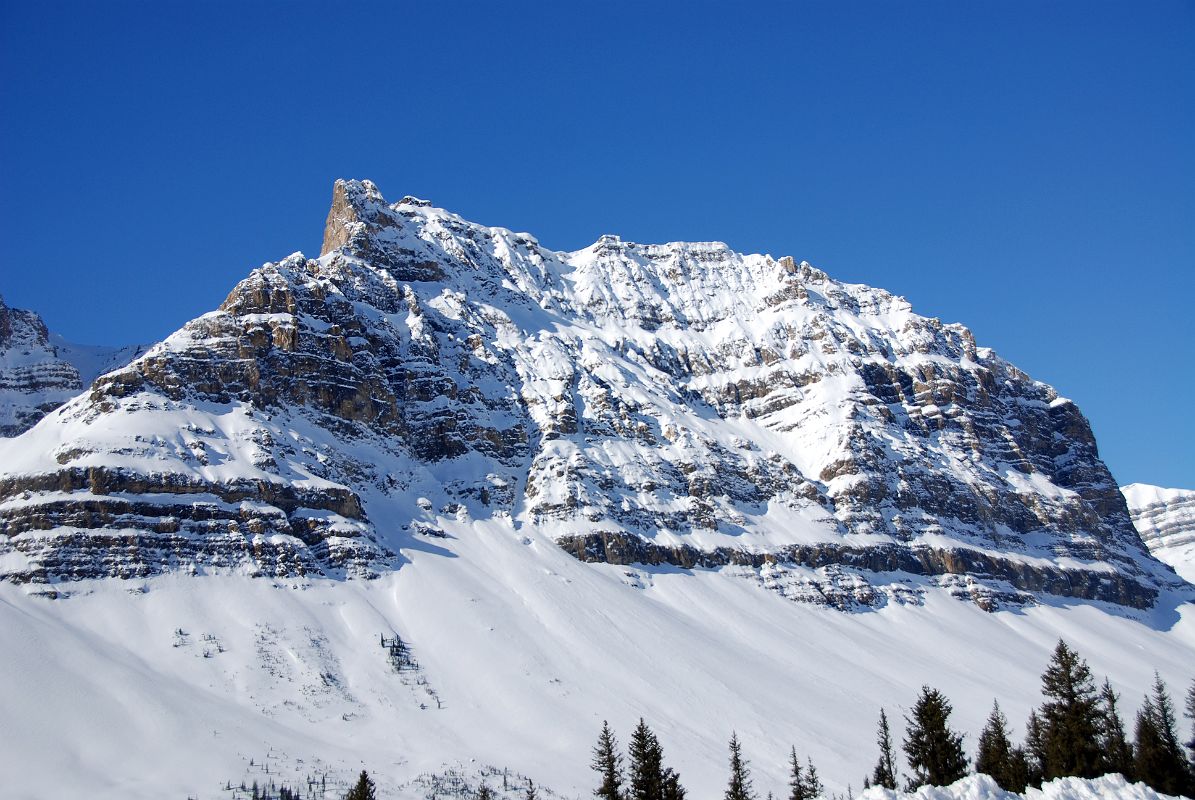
pixel 1165 518
pixel 527 649
pixel 981 787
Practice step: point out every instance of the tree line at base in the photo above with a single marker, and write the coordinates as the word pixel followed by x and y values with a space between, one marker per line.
pixel 1077 731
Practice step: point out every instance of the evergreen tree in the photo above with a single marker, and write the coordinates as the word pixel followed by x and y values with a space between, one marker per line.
pixel 1020 771
pixel 1035 748
pixel 1070 716
pixel 813 784
pixel 995 750
pixel 796 778
pixel 884 773
pixel 484 792
pixel 530 793
pixel 363 790
pixel 646 768
pixel 1117 753
pixel 1159 759
pixel 672 788
pixel 607 762
pixel 803 782
pixel 935 752
pixel 740 777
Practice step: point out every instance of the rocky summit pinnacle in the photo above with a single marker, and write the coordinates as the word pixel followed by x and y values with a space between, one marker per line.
pixel 677 404
pixel 353 205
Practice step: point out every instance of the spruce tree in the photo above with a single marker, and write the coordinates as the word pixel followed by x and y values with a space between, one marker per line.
pixel 935 752
pixel 1020 771
pixel 607 762
pixel 739 787
pixel 1035 748
pixel 994 756
pixel 363 790
pixel 1159 759
pixel 1116 752
pixel 672 788
pixel 646 768
pixel 796 778
pixel 484 792
pixel 813 784
pixel 1070 717
pixel 884 773
pixel 530 793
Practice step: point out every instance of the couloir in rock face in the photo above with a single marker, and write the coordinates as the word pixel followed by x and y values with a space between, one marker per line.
pixel 676 403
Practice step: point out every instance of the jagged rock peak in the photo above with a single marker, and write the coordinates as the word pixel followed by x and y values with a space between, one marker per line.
pixel 353 202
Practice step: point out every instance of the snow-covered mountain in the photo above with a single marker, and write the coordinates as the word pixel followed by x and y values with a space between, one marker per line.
pixel 673 481
pixel 1165 518
pixel 40 370
pixel 676 403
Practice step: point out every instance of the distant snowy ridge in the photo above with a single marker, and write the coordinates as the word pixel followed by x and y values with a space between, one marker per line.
pixel 679 403
pixel 39 370
pixel 1165 518
pixel 982 787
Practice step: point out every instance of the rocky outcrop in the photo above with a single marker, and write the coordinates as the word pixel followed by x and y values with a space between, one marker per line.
pixel 920 560
pixel 695 405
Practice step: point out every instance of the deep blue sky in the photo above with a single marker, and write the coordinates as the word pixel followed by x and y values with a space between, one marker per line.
pixel 1026 168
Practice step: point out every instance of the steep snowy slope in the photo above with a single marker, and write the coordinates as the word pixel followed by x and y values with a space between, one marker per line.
pixel 524 651
pixel 1165 518
pixel 40 370
pixel 673 481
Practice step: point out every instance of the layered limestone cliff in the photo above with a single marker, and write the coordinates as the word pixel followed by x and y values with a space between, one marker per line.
pixel 679 403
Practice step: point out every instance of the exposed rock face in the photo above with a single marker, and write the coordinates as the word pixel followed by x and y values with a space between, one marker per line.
pixel 39 372
pixel 1165 518
pixel 685 402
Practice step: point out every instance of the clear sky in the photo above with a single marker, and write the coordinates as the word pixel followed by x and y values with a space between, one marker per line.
pixel 1025 168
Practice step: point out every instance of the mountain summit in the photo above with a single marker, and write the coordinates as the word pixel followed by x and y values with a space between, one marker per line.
pixel 674 404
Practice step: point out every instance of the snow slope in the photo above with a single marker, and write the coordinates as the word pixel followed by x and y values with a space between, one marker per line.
pixel 528 650
pixel 1165 518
